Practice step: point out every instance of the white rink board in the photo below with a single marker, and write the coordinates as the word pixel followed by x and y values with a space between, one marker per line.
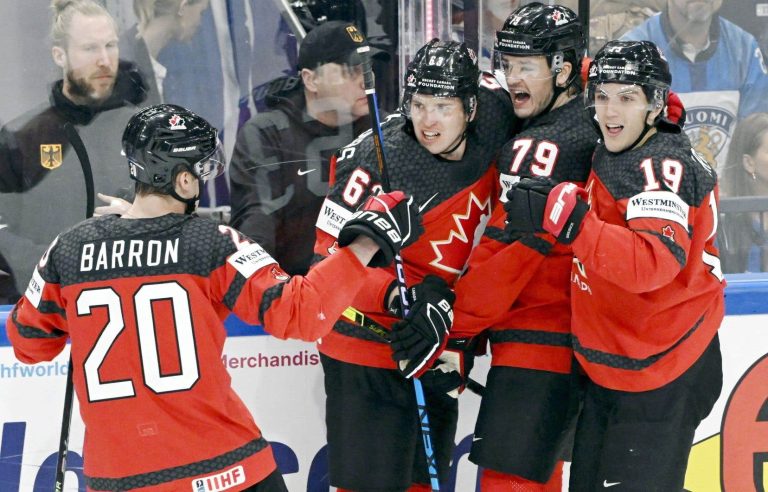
pixel 287 402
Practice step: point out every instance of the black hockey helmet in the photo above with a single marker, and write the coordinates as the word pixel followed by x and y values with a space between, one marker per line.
pixel 443 69
pixel 536 29
pixel 638 63
pixel 312 13
pixel 160 137
pixel 631 62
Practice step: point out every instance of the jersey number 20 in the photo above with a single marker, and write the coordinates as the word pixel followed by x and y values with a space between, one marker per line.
pixel 145 325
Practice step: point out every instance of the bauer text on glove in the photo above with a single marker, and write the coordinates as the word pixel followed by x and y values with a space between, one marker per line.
pixel 391 220
pixel 420 338
pixel 566 208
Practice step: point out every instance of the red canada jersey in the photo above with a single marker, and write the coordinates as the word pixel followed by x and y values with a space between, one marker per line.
pixel 143 302
pixel 646 282
pixel 456 197
pixel 524 280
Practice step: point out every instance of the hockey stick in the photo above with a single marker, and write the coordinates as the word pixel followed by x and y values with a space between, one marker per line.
pixel 374 327
pixel 421 404
pixel 66 417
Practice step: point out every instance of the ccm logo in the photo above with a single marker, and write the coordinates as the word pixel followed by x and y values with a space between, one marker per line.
pixel 559 205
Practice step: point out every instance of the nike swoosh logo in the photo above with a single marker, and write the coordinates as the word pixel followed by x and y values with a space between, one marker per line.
pixel 607 484
pixel 424 205
pixel 302 172
pixel 475 439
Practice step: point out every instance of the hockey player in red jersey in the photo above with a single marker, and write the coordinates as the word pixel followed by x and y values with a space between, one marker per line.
pixel 646 284
pixel 143 297
pixel 439 149
pixel 530 402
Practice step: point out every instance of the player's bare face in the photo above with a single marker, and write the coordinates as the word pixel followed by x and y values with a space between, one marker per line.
pixel 439 124
pixel 622 111
pixel 530 83
pixel 89 60
pixel 340 88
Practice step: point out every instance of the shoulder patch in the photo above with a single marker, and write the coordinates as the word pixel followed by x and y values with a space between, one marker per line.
pixel 35 288
pixel 663 205
pixel 332 217
pixel 250 259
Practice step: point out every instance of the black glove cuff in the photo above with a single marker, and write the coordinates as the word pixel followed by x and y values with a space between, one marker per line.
pixel 383 257
pixel 573 226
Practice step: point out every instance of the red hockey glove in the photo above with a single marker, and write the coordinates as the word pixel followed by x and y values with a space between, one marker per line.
pixel 585 70
pixel 673 118
pixel 391 220
pixel 525 205
pixel 675 109
pixel 566 208
pixel 420 338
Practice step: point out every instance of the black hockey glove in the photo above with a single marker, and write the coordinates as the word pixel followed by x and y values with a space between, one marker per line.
pixel 449 374
pixel 391 220
pixel 420 338
pixel 525 205
pixel 566 208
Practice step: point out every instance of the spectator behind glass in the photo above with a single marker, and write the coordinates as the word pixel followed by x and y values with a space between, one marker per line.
pixel 717 69
pixel 609 19
pixel 55 158
pixel 750 15
pixel 742 237
pixel 280 167
pixel 159 22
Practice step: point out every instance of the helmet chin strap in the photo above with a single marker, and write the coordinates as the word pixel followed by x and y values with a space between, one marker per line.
pixel 190 204
pixel 461 139
pixel 646 129
pixel 463 136
pixel 556 91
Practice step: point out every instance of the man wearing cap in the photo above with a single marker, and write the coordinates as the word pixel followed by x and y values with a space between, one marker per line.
pixel 280 166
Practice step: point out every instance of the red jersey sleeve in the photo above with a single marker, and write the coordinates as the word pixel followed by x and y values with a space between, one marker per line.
pixel 37 325
pixel 350 184
pixel 257 290
pixel 647 254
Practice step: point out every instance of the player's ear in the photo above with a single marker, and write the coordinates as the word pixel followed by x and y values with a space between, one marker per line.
pixel 186 184
pixel 658 107
pixel 473 109
pixel 564 74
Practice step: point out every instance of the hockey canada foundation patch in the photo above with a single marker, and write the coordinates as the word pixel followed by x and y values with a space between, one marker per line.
pixel 221 481
pixel 250 259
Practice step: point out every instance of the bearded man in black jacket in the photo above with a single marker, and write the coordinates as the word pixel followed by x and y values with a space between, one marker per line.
pixel 56 158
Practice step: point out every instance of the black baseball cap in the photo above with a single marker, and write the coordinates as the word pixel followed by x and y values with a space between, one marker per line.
pixel 333 42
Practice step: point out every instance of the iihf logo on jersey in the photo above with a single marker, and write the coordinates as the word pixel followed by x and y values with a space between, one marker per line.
pixel 221 481
pixel 177 122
